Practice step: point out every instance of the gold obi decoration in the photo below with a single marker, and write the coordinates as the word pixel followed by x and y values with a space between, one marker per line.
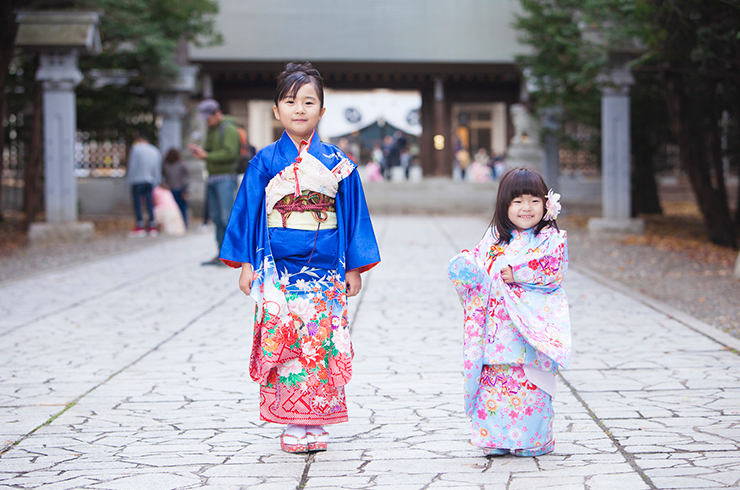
pixel 309 211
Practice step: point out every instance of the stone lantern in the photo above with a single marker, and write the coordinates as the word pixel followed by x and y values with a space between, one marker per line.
pixel 616 150
pixel 59 38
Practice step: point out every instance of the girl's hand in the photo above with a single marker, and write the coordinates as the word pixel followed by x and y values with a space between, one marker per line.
pixel 507 274
pixel 245 279
pixel 354 282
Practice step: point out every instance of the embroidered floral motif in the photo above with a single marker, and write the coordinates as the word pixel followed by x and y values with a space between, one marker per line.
pixel 513 413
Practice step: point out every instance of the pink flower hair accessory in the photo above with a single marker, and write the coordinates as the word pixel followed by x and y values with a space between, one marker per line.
pixel 552 205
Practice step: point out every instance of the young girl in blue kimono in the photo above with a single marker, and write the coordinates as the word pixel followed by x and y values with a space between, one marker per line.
pixel 517 326
pixel 301 233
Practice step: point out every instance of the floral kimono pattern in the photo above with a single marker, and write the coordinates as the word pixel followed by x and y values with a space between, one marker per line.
pixel 516 336
pixel 301 349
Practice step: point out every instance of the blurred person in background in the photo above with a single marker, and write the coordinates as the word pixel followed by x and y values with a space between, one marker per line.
pixel 144 172
pixel 221 153
pixel 176 179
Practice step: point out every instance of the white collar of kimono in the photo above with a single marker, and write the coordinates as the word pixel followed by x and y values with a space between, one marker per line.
pixel 307 173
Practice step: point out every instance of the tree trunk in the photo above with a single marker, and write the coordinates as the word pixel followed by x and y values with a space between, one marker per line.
pixel 734 144
pixel 8 29
pixel 645 198
pixel 34 164
pixel 3 115
pixel 695 130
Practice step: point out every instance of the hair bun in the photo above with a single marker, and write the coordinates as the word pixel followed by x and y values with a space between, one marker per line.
pixel 306 68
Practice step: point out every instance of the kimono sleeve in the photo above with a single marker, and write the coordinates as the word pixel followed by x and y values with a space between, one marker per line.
pixel 473 285
pixel 362 250
pixel 467 276
pixel 545 269
pixel 246 236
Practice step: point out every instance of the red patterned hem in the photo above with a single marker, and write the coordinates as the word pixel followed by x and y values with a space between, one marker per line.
pixel 289 405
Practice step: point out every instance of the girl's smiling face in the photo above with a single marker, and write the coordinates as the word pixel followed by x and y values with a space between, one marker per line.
pixel 301 114
pixel 526 211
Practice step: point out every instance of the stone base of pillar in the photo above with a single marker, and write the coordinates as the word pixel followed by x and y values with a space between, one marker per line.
pixel 607 227
pixel 416 174
pixel 398 174
pixel 197 187
pixel 72 231
pixel 737 267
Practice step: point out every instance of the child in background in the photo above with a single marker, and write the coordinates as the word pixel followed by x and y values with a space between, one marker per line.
pixel 167 213
pixel 517 326
pixel 176 179
pixel 301 233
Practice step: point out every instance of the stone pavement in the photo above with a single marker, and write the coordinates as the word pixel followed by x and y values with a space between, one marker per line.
pixel 131 372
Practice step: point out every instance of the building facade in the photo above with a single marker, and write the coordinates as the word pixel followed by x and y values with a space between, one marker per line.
pixel 458 54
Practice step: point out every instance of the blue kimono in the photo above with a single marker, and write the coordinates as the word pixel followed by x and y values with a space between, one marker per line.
pixel 301 353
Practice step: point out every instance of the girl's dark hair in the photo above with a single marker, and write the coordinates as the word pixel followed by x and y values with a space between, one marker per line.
pixel 295 76
pixel 172 156
pixel 514 183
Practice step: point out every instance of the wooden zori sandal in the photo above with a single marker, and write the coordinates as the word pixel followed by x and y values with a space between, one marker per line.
pixel 317 441
pixel 293 444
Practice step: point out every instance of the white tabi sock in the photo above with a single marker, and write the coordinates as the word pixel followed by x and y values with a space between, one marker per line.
pixel 294 430
pixel 315 429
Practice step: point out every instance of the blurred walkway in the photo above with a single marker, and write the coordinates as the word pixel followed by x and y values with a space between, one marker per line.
pixel 131 372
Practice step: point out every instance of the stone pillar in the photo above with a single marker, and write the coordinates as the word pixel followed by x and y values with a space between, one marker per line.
pixel 551 147
pixel 207 86
pixel 59 37
pixel 59 76
pixel 616 159
pixel 500 127
pixel 426 140
pixel 171 106
pixel 439 127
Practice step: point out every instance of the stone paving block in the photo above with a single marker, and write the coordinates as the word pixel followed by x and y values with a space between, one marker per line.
pixel 541 482
pixel 404 479
pixel 231 469
pixel 399 486
pixel 410 466
pixel 486 476
pixel 69 484
pixel 272 484
pixel 18 420
pixel 244 483
pixel 685 483
pixel 616 482
pixel 160 481
pixel 37 478
pixel 171 395
pixel 457 486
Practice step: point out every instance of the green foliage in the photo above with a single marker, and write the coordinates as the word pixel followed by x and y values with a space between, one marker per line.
pixel 562 68
pixel 140 40
pixel 686 59
pixel 144 34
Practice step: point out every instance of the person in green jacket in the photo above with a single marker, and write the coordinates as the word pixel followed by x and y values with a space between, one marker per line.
pixel 221 154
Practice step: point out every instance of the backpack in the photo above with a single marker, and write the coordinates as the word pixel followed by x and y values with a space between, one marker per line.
pixel 244 149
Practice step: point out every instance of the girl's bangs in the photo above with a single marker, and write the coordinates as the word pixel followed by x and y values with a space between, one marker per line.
pixel 291 90
pixel 526 182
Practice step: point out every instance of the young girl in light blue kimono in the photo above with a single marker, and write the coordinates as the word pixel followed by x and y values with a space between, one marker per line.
pixel 517 326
